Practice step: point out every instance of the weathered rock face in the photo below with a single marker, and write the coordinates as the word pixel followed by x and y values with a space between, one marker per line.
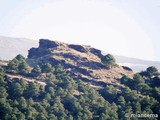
pixel 96 52
pixel 45 43
pixel 44 46
pixel 81 62
pixel 78 48
pixel 38 52
pixel 126 68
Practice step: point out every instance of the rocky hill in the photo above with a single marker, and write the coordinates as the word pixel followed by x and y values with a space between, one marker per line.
pixel 60 81
pixel 17 46
pixel 80 62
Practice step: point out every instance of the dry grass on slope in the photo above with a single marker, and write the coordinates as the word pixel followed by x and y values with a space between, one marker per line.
pixel 26 79
pixel 3 63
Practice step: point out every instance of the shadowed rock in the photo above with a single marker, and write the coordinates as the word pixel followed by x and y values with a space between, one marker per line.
pixel 126 68
pixel 96 52
pixel 37 52
pixel 78 48
pixel 45 43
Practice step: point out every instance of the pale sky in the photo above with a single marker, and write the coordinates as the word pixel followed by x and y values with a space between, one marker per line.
pixel 122 27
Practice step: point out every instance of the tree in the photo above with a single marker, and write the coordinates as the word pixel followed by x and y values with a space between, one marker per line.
pixel 69 117
pixel 31 113
pixel 50 90
pixel 73 105
pixel 3 92
pixel 109 61
pixel 137 80
pixel 23 68
pixel 36 71
pixel 2 72
pixel 30 102
pixel 79 116
pixel 42 112
pixel 121 100
pixel 126 92
pixel 17 90
pixel 144 89
pixel 155 82
pixel 18 114
pixel 87 115
pixel 22 103
pixel 47 97
pixel 18 65
pixel 23 83
pixel 59 69
pixel 126 81
pixel 41 116
pixel 152 71
pixel 2 79
pixel 50 79
pixel 137 107
pixel 47 68
pixel 129 111
pixel 103 116
pixel 156 93
pixel 110 93
pixel 32 90
pixel 57 108
pixel 13 66
pixel 20 57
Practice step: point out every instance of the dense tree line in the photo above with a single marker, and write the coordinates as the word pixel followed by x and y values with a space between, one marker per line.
pixel 62 98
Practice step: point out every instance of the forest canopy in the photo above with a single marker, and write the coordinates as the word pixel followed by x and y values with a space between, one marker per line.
pixel 63 98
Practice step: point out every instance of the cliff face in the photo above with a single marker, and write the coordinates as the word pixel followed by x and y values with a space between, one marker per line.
pixel 80 62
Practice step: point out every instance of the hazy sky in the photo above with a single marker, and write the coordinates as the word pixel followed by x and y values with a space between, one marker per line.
pixel 121 27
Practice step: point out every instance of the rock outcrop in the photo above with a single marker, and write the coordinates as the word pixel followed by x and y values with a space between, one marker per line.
pixel 78 48
pixel 45 44
pixel 80 62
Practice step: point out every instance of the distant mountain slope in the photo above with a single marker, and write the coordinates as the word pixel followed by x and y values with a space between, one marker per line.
pixel 136 64
pixel 10 47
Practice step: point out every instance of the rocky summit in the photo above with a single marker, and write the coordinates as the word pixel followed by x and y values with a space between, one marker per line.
pixel 80 62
